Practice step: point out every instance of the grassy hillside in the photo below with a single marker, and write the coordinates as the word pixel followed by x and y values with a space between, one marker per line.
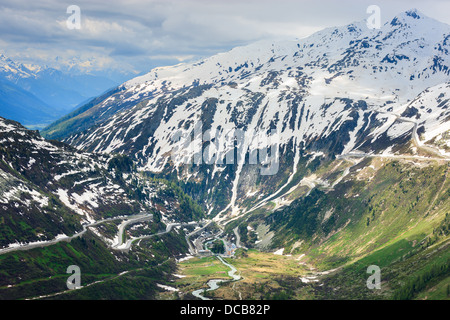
pixel 120 275
pixel 393 214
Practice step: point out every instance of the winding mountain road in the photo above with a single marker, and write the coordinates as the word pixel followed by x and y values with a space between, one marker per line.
pixel 42 244
pixel 127 245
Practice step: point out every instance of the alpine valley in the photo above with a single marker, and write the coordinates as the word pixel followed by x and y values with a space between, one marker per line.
pixel 38 95
pixel 362 123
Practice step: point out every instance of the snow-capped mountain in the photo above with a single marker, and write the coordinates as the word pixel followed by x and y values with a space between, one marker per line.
pixel 340 91
pixel 14 71
pixel 37 95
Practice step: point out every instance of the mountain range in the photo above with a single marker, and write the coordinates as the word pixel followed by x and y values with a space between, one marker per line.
pixel 341 90
pixel 38 95
pixel 361 125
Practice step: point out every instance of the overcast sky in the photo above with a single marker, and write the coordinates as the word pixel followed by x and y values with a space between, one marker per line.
pixel 135 36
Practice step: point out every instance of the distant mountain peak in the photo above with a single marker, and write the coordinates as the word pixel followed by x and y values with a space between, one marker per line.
pixel 409 17
pixel 414 13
